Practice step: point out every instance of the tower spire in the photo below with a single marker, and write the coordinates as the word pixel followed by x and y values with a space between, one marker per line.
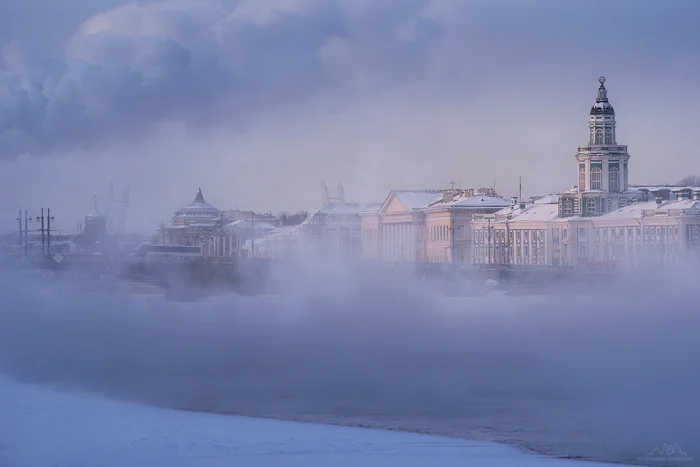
pixel 200 197
pixel 602 92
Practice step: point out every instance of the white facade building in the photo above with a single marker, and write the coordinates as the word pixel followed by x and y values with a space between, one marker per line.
pixel 425 225
pixel 191 225
pixel 603 222
pixel 334 231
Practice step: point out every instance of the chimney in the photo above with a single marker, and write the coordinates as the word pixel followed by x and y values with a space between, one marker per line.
pixel 659 201
pixel 522 206
pixel 448 196
pixel 696 195
pixel 575 187
pixel 514 201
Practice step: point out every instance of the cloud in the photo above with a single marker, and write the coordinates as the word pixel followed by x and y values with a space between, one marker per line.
pixel 397 93
pixel 187 61
pixel 217 63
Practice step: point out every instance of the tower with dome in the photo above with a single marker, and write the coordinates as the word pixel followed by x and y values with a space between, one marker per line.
pixel 602 166
pixel 190 223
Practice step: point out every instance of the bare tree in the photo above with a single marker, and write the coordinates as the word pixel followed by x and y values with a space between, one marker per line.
pixel 690 180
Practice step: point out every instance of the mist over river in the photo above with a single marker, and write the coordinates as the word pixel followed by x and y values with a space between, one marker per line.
pixel 601 374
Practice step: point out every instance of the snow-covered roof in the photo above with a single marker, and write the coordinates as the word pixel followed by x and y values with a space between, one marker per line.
pixel 340 208
pixel 246 224
pixel 285 231
pixel 548 199
pixel 665 187
pixel 198 207
pixel 543 209
pixel 538 212
pixel 202 224
pixel 639 210
pixel 475 201
pixel 417 199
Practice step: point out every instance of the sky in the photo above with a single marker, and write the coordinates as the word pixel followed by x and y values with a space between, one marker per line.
pixel 258 101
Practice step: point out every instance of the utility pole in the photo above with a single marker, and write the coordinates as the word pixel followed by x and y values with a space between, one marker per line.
pixel 19 220
pixel 252 244
pixel 26 232
pixel 43 240
pixel 489 238
pixel 452 235
pixel 48 231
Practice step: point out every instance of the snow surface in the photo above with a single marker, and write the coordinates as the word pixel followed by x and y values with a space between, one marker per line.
pixel 418 199
pixel 47 427
pixel 476 201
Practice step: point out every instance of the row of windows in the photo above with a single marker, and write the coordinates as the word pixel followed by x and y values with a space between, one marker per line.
pixel 515 236
pixel 538 236
pixel 631 252
pixel 439 232
pixel 600 137
pixel 597 179
pixel 618 233
pixel 517 255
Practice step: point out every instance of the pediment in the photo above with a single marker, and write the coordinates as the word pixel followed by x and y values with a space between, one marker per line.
pixel 393 204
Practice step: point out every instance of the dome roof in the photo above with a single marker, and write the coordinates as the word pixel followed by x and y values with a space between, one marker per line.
pixel 602 106
pixel 95 213
pixel 198 207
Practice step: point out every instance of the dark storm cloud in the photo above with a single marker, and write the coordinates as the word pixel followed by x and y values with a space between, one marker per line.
pixel 224 63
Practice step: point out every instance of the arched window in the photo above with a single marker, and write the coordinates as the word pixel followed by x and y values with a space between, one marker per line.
pixel 582 179
pixel 608 136
pixel 599 136
pixel 596 179
pixel 568 207
pixel 591 205
pixel 614 179
pixel 592 136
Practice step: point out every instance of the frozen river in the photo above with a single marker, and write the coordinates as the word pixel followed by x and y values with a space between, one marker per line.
pixel 570 376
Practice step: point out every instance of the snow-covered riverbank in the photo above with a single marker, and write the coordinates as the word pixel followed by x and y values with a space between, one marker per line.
pixel 46 427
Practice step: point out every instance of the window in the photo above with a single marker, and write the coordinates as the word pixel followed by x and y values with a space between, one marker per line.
pixel 599 136
pixel 591 205
pixel 608 136
pixel 568 207
pixel 614 179
pixel 582 179
pixel 596 178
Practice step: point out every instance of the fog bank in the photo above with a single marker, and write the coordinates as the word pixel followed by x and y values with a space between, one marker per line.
pixel 608 374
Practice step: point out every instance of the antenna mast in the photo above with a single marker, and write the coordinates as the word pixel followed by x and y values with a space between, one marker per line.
pixel 520 190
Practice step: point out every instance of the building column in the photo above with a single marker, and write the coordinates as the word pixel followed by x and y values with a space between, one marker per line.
pixel 606 185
